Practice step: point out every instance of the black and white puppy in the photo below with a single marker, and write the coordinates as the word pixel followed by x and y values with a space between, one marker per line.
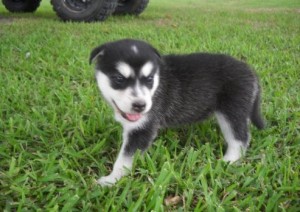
pixel 149 92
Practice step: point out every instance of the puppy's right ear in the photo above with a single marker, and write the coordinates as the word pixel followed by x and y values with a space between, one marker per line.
pixel 97 52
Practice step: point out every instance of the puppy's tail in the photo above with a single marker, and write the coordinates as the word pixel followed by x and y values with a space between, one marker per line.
pixel 256 117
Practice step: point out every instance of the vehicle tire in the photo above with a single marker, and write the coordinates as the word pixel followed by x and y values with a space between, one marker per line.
pixel 131 7
pixel 18 6
pixel 84 10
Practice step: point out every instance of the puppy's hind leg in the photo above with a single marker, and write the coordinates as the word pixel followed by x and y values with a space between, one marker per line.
pixel 132 141
pixel 236 134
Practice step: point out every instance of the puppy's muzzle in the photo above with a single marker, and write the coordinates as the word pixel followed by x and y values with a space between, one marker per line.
pixel 138 106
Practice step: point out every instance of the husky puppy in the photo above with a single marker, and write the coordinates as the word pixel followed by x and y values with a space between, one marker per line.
pixel 148 92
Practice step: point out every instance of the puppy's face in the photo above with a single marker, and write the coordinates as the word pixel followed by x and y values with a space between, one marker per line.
pixel 127 74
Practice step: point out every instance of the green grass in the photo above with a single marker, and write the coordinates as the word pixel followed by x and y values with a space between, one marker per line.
pixel 57 135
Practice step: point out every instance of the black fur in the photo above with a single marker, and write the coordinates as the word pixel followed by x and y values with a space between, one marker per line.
pixel 191 88
pixel 140 138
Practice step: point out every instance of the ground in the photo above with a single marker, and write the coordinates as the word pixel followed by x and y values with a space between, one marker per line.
pixel 58 136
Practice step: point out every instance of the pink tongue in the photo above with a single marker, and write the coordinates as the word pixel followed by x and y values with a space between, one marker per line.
pixel 133 117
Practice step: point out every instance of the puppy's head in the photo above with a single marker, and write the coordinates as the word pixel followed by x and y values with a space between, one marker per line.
pixel 127 74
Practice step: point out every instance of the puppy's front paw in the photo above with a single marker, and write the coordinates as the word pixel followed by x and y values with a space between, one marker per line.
pixel 234 153
pixel 108 181
pixel 231 158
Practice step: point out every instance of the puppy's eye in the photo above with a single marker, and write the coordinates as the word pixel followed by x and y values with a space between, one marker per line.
pixel 119 79
pixel 149 79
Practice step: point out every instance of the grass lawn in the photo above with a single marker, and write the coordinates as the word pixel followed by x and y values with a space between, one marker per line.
pixel 57 135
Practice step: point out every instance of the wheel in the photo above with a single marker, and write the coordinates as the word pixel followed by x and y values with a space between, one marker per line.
pixel 131 7
pixel 84 10
pixel 21 5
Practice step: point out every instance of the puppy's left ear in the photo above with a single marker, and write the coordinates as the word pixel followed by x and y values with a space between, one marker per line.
pixel 156 52
pixel 96 52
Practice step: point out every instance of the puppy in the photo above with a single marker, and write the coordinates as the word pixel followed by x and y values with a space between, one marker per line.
pixel 148 92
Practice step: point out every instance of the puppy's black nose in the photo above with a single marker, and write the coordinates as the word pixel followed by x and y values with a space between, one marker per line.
pixel 138 106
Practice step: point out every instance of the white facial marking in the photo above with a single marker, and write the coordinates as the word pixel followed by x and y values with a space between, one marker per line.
pixel 146 69
pixel 104 85
pixel 125 69
pixel 138 91
pixel 235 148
pixel 135 49
pixel 124 98
pixel 155 82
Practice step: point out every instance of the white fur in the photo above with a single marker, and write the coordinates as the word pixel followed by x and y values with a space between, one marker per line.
pixel 255 91
pixel 147 69
pixel 124 98
pixel 235 148
pixel 125 69
pixel 138 91
pixel 121 167
pixel 155 82
pixel 134 49
pixel 142 93
pixel 123 164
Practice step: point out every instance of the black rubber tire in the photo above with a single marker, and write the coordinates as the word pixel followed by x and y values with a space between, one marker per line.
pixel 88 11
pixel 21 6
pixel 131 7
